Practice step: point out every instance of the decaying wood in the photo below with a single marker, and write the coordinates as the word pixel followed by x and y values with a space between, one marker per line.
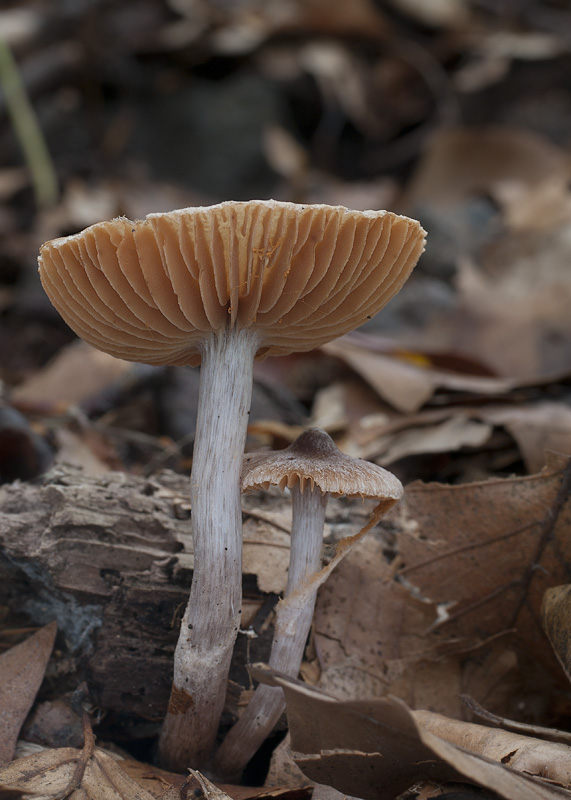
pixel 105 558
pixel 110 559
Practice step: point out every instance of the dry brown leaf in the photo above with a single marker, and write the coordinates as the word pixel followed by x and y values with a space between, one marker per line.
pixel 536 428
pixel 270 430
pixel 53 723
pixel 373 642
pixel 453 433
pixel 402 385
pixel 77 373
pixel 266 552
pixel 364 749
pixel 461 162
pixel 483 555
pixel 541 207
pixel 344 405
pixel 22 671
pixel 165 785
pixel 536 731
pixel 378 748
pixel 405 385
pixel 153 779
pixel 556 613
pixel 549 760
pixel 283 770
pixel 464 612
pixel 322 792
pixel 64 771
pixel 74 450
pixel 513 314
pixel 485 552
pixel 497 777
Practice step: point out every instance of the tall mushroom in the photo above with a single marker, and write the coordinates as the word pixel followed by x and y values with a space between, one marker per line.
pixel 221 285
pixel 313 469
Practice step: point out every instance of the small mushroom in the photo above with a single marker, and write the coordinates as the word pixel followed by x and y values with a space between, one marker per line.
pixel 221 285
pixel 312 468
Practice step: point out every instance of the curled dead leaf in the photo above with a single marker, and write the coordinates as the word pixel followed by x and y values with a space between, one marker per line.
pixel 556 613
pixel 22 670
pixel 375 749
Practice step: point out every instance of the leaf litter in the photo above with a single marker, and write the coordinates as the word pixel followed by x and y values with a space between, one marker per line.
pixel 381 747
pixel 463 381
pixel 22 670
pixel 458 602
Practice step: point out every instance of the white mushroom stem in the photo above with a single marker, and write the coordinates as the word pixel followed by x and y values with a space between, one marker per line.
pixel 268 703
pixel 212 618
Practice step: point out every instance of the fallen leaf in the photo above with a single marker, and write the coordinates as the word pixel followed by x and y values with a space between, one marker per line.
pixel 404 385
pixel 497 777
pixel 463 161
pixel 537 731
pixel 449 598
pixel 549 760
pixel 266 552
pixel 283 770
pixel 343 405
pixel 74 449
pixel 483 555
pixel 375 749
pixel 22 671
pixel 152 779
pixel 76 374
pixel 455 432
pixel 556 613
pixel 468 561
pixel 372 642
pixel 165 785
pixel 536 428
pixel 363 749
pixel 72 773
pixel 513 311
pixel 544 206
pixel 53 723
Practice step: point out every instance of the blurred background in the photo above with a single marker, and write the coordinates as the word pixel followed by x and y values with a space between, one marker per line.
pixel 456 112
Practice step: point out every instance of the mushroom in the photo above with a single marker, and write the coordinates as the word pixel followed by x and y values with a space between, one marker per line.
pixel 313 469
pixel 221 285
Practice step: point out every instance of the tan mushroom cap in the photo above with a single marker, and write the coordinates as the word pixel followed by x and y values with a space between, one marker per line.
pixel 300 276
pixel 315 460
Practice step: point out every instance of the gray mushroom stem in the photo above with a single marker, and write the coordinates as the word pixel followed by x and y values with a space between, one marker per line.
pixel 268 703
pixel 212 617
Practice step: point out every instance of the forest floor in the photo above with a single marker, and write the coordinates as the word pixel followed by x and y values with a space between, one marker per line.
pixel 455 611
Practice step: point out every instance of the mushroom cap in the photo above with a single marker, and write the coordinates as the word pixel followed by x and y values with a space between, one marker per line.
pixel 298 276
pixel 315 460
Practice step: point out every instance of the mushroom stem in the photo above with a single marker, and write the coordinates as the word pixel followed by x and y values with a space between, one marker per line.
pixel 212 617
pixel 268 703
